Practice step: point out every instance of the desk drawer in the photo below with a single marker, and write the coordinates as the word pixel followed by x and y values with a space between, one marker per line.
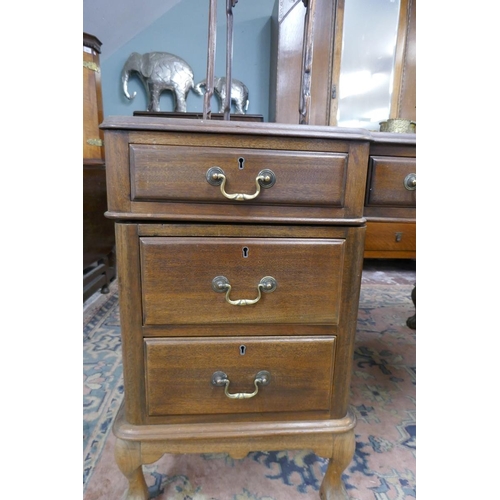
pixel 386 183
pixel 179 374
pixel 182 280
pixel 179 174
pixel 391 236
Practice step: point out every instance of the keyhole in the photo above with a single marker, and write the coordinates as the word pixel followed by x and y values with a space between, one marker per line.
pixel 241 163
pixel 245 252
pixel 243 349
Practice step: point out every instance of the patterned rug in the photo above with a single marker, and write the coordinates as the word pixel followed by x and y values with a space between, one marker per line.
pixel 382 398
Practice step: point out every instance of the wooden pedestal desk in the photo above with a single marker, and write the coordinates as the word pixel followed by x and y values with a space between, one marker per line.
pixel 239 252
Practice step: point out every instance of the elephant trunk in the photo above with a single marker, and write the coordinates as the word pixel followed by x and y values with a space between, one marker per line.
pixel 125 77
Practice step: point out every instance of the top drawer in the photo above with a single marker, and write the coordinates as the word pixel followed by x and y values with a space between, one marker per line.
pixel 179 173
pixel 189 170
pixel 390 182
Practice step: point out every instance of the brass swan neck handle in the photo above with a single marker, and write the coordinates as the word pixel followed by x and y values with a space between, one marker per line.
pixel 220 379
pixel 221 284
pixel 216 177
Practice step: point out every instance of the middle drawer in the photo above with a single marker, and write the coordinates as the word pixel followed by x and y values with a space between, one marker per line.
pixel 207 281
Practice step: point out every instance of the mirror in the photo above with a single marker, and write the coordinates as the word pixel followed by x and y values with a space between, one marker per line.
pixel 367 63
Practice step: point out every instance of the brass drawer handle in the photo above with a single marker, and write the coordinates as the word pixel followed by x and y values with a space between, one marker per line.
pixel 216 177
pixel 410 182
pixel 220 379
pixel 221 284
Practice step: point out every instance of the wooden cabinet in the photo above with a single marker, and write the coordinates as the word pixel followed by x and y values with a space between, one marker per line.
pixel 98 232
pixel 93 147
pixel 240 252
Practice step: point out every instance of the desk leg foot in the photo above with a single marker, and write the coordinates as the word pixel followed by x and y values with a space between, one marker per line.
pixel 412 321
pixel 332 487
pixel 128 459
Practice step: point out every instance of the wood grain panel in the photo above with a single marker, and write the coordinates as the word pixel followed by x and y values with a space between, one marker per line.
pixel 117 171
pixel 386 184
pixel 243 230
pixel 179 374
pixel 391 236
pixel 346 332
pixel 179 174
pixel 128 270
pixel 177 276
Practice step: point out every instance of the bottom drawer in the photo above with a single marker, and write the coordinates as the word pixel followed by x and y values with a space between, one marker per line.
pixel 179 374
pixel 390 237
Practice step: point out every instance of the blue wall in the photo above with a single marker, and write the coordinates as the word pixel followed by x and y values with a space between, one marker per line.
pixel 183 31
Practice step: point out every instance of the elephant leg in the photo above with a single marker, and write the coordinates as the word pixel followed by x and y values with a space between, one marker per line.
pixel 154 97
pixel 222 98
pixel 180 101
pixel 239 108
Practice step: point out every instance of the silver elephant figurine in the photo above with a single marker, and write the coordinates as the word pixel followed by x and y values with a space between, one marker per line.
pixel 159 71
pixel 239 93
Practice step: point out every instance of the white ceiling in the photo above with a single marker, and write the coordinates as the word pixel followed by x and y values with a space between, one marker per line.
pixel 115 22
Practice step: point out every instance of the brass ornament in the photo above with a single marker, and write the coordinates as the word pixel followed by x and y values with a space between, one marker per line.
pixel 91 65
pixel 398 126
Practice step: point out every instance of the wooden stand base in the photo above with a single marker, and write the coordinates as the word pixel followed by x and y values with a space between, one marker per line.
pixel 137 445
pixel 199 116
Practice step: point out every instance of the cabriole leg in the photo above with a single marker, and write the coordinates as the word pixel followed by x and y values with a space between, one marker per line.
pixel 332 487
pixel 128 459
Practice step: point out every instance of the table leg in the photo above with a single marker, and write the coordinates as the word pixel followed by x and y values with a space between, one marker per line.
pixel 332 487
pixel 128 459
